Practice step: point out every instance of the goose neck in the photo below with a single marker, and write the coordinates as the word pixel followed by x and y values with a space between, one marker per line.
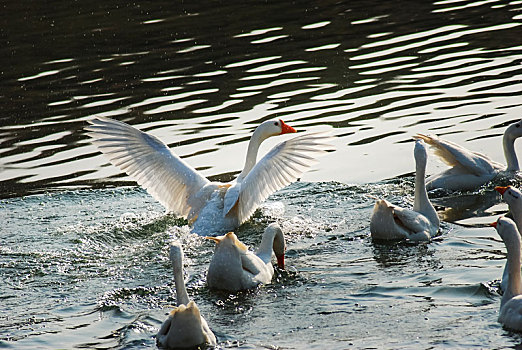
pixel 251 156
pixel 508 142
pixel 266 247
pixel 513 263
pixel 422 202
pixel 181 292
pixel 421 194
pixel 273 240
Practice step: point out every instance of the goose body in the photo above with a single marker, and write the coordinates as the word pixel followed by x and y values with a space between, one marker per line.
pixel 211 207
pixel 391 222
pixel 510 315
pixel 234 267
pixel 185 327
pixel 513 197
pixel 469 170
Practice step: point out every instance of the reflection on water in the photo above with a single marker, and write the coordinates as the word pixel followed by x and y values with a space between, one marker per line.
pixel 201 82
pixel 470 208
pixel 200 77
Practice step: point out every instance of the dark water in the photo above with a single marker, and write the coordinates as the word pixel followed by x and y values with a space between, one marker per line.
pixel 84 260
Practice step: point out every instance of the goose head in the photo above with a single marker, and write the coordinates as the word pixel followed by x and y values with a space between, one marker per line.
pixel 510 194
pixel 265 130
pixel 513 197
pixel 183 328
pixel 514 131
pixel 273 127
pixel 507 230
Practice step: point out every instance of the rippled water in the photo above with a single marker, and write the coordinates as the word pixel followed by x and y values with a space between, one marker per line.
pixel 85 265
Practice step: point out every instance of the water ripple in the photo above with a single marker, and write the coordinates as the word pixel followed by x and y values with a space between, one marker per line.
pixel 92 265
pixel 387 73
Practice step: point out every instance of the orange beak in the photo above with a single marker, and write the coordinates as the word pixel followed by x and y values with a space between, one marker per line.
pixel 502 189
pixel 281 261
pixel 285 128
pixel 493 224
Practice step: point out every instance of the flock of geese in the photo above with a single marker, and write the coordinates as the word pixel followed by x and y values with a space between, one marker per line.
pixel 214 208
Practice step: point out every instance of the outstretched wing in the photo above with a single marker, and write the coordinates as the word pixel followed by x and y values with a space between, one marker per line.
pixel 457 156
pixel 411 220
pixel 149 161
pixel 284 164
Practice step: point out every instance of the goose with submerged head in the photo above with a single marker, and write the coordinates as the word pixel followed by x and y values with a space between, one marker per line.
pixel 513 198
pixel 209 206
pixel 510 315
pixel 234 267
pixel 391 222
pixel 185 327
pixel 470 170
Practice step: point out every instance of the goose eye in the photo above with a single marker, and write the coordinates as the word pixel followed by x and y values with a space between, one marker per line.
pixel 276 123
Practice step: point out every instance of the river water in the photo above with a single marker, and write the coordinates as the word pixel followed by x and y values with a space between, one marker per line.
pixel 84 253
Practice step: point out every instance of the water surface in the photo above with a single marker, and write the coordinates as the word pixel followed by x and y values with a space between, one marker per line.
pixel 84 252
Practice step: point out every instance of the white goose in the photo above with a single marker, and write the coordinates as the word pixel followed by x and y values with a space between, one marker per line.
pixel 511 304
pixel 234 267
pixel 390 222
pixel 470 170
pixel 185 327
pixel 209 206
pixel 513 198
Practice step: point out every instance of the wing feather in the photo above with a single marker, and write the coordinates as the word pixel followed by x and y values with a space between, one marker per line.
pixel 145 158
pixel 457 156
pixel 411 220
pixel 279 168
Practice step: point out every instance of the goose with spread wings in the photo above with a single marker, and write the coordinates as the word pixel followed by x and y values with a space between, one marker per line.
pixel 211 207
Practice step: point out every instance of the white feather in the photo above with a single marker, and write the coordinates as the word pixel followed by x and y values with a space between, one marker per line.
pixel 284 164
pixel 149 161
pixel 454 155
pixel 212 207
